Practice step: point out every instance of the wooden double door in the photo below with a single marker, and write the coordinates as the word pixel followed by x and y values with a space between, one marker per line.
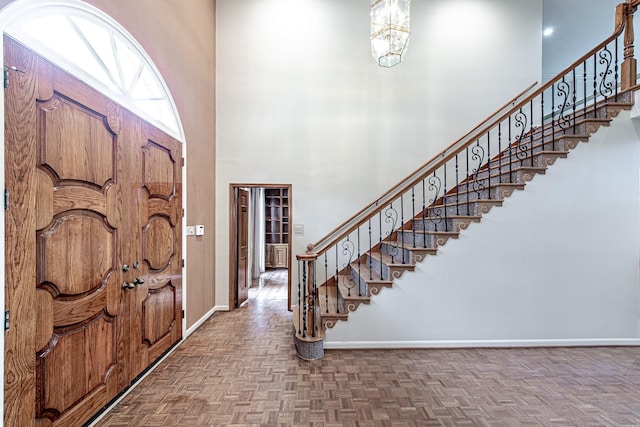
pixel 93 245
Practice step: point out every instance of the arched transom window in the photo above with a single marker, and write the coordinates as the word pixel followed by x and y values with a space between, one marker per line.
pixel 90 45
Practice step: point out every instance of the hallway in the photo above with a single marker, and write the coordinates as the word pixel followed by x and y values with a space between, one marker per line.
pixel 241 369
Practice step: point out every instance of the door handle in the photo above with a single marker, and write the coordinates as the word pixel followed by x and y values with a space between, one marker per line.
pixel 127 285
pixel 138 281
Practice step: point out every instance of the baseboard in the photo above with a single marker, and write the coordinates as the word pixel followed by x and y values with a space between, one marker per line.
pixel 204 318
pixel 601 342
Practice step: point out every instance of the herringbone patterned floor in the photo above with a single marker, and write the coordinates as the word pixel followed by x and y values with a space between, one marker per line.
pixel 240 369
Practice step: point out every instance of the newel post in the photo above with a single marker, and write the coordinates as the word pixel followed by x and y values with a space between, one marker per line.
pixel 625 11
pixel 307 291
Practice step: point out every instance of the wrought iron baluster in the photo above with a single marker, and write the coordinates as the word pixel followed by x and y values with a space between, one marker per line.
pixel 299 300
pixel 615 85
pixel 521 149
pixel 531 131
pixel 595 83
pixel 337 279
pixel 380 230
pixel 435 216
pixel 424 211
pixel 359 265
pixel 553 113
pixel 606 87
pixel 444 193
pixel 391 218
pixel 401 227
pixel 564 120
pixel 326 286
pixel 371 249
pixel 348 249
pixel 584 89
pixel 510 152
pixel 478 153
pixel 304 299
pixel 500 152
pixel 413 215
pixel 489 162
pixel 542 123
pixel 467 180
pixel 457 189
pixel 314 302
pixel 573 75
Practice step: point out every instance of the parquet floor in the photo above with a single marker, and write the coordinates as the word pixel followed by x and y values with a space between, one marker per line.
pixel 240 369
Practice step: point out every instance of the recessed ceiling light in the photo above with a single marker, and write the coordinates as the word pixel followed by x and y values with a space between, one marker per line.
pixel 547 31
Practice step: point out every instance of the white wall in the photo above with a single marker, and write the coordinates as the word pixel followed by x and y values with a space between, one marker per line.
pixel 300 100
pixel 556 265
pixel 578 26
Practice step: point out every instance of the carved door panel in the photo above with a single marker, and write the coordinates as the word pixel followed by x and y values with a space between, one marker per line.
pixel 157 307
pixel 89 194
pixel 71 283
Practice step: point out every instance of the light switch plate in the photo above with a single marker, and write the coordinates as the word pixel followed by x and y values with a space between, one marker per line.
pixel 191 230
pixel 298 229
pixel 199 230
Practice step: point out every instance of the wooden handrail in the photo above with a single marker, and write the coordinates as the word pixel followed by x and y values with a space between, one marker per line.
pixel 624 15
pixel 376 203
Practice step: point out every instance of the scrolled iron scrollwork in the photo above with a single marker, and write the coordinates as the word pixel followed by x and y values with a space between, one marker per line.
pixel 606 86
pixel 348 249
pixel 477 155
pixel 564 106
pixel 521 121
pixel 435 185
pixel 391 217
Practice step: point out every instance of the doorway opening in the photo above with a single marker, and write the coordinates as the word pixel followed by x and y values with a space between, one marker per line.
pixel 260 237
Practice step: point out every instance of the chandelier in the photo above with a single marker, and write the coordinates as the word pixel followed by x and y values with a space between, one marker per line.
pixel 389 31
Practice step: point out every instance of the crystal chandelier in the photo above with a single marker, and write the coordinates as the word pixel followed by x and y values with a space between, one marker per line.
pixel 389 30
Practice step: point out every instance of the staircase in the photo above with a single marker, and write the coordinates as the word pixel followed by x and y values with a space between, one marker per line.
pixel 451 215
pixel 454 189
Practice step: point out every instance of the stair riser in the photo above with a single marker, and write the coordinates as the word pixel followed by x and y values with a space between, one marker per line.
pixel 397 252
pixel 377 265
pixel 435 224
pixel 408 238
pixel 542 160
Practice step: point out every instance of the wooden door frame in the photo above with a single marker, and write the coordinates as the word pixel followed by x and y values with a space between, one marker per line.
pixel 233 224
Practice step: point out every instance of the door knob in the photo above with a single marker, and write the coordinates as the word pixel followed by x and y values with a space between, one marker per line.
pixel 125 267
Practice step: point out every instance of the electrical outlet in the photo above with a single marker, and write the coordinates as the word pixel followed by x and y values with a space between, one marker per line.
pixel 191 230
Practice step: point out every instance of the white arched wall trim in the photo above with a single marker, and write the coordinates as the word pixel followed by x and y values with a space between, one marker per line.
pixel 23 10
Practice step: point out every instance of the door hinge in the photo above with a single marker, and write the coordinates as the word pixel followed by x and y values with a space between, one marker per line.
pixel 6 320
pixel 6 74
pixel 182 262
pixel 183 162
pixel 182 213
pixel 183 314
pixel 6 199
